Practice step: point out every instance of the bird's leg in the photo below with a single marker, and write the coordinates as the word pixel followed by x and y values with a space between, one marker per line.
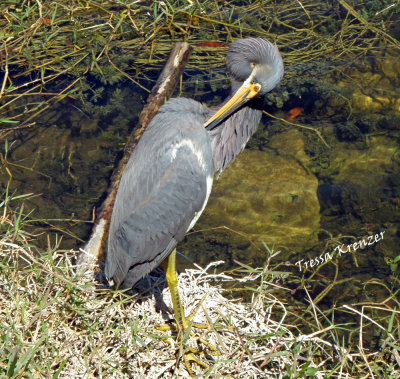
pixel 182 322
pixel 172 280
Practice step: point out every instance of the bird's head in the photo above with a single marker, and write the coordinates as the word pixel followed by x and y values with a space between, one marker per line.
pixel 255 61
pixel 256 67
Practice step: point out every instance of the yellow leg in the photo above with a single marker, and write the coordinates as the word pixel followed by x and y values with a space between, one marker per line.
pixel 183 323
pixel 172 280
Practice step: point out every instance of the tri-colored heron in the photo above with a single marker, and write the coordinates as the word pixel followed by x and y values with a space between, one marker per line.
pixel 168 179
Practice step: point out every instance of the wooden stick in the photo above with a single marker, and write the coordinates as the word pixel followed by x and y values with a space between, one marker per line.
pixel 93 250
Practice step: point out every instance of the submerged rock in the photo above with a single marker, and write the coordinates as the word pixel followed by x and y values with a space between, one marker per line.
pixel 377 89
pixel 366 167
pixel 369 179
pixel 267 196
pixel 348 131
pixel 391 66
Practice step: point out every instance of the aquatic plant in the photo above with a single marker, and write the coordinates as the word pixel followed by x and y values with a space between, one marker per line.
pixel 47 49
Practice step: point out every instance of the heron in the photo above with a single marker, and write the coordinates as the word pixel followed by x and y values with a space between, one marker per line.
pixel 168 178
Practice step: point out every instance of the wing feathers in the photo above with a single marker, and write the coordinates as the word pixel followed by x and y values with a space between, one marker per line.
pixel 162 189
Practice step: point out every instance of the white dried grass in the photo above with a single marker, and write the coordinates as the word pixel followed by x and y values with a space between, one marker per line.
pixel 77 328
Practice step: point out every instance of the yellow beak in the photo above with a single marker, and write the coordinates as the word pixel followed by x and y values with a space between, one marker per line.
pixel 246 92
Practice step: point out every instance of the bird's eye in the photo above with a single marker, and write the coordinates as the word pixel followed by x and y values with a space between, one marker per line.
pixel 253 64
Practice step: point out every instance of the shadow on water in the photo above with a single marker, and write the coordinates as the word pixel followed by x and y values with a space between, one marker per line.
pixel 287 188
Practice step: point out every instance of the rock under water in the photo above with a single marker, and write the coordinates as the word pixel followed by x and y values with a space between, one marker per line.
pixel 267 196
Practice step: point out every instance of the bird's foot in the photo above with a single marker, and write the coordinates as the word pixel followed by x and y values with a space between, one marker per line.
pixel 185 333
pixel 188 357
pixel 191 355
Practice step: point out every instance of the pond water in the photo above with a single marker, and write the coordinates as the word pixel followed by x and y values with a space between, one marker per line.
pixel 330 205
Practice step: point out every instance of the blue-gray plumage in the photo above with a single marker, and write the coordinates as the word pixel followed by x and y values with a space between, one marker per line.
pixel 156 204
pixel 167 181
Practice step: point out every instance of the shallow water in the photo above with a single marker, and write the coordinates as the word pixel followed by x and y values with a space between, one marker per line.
pixel 311 202
pixel 67 159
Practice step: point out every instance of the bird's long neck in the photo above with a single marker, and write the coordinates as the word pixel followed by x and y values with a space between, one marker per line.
pixel 230 137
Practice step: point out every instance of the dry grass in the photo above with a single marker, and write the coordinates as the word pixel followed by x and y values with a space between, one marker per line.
pixel 54 324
